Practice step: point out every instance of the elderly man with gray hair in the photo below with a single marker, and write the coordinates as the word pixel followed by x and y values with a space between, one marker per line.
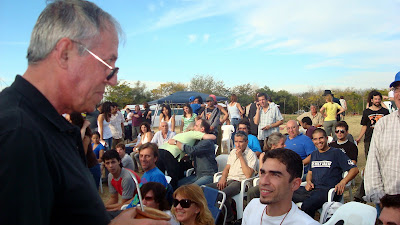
pixel 316 117
pixel 71 59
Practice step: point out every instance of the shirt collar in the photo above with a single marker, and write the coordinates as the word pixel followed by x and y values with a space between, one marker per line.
pixel 37 100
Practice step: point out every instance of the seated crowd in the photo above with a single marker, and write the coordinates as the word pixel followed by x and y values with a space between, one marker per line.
pixel 292 168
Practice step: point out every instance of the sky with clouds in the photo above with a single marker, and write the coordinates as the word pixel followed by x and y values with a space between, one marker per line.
pixel 289 44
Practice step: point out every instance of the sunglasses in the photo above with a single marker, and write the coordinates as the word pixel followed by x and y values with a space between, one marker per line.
pixel 341 131
pixel 113 72
pixel 148 198
pixel 185 203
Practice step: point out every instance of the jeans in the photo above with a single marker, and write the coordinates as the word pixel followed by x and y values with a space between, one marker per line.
pixel 109 143
pixel 96 173
pixel 193 179
pixel 329 127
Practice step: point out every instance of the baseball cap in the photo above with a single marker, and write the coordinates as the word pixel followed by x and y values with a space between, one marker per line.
pixel 191 99
pixel 213 96
pixel 396 79
pixel 209 99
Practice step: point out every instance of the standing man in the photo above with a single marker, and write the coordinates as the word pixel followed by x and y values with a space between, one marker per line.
pixel 253 144
pixel 136 121
pixel 267 118
pixel 369 119
pixel 241 164
pixel 280 176
pixel 343 103
pixel 252 109
pixel 92 117
pixel 116 125
pixel 382 168
pixel 163 135
pixel 211 113
pixel 299 143
pixel 71 59
pixel 316 117
pixel 203 156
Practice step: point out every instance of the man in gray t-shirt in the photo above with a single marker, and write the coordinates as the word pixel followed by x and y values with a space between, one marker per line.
pixel 127 161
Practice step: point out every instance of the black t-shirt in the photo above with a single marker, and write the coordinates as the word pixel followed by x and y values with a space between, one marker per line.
pixel 370 118
pixel 349 148
pixel 44 175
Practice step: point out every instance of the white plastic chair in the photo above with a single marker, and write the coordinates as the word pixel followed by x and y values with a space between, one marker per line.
pixel 226 140
pixel 239 198
pixel 353 213
pixel 221 161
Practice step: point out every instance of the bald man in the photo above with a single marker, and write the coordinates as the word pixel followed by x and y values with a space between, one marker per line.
pixel 298 142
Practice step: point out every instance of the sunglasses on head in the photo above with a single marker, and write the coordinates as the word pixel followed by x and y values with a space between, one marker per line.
pixel 185 203
pixel 341 131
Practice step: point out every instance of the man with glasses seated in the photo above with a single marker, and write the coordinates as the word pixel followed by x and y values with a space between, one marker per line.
pixel 343 143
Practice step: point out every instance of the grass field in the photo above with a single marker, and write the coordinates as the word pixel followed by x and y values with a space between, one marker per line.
pixel 354 129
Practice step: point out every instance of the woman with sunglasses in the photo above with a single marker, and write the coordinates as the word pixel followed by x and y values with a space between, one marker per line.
pixel 190 206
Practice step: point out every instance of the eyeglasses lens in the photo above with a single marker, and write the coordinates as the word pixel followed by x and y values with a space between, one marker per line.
pixel 341 131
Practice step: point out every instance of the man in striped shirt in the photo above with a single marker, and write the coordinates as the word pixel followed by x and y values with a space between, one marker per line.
pixel 383 163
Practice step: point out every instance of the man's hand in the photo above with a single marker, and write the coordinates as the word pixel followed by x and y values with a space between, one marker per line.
pixel 339 188
pixel 239 153
pixel 221 183
pixel 266 127
pixel 171 141
pixel 128 217
pixel 309 186
pixel 358 140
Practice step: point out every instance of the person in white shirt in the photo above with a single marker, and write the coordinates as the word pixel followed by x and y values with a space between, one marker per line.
pixel 163 135
pixel 280 176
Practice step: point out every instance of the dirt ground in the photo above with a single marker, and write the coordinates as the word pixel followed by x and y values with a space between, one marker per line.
pixel 354 129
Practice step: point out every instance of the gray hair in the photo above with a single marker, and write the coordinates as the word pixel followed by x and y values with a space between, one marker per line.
pixel 74 19
pixel 273 139
pixel 241 134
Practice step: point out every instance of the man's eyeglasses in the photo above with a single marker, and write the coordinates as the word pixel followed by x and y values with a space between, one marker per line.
pixel 185 203
pixel 341 131
pixel 114 71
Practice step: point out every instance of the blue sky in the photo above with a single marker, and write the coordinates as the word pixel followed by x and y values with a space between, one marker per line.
pixel 290 45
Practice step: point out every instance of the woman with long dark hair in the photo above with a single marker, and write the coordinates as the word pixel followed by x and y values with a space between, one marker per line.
pixel 166 115
pixel 188 117
pixel 103 122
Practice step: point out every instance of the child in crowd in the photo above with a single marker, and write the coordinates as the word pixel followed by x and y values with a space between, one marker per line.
pixel 98 148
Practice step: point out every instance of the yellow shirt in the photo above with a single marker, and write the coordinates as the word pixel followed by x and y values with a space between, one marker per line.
pixel 331 110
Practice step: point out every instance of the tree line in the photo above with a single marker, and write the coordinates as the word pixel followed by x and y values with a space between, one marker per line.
pixel 124 93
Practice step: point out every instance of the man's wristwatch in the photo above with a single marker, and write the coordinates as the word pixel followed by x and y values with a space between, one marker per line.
pixel 176 142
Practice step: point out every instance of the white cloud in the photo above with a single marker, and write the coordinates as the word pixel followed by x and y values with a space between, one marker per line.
pixel 206 37
pixel 192 38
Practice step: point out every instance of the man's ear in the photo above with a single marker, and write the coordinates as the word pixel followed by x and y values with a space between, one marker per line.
pixel 296 182
pixel 63 51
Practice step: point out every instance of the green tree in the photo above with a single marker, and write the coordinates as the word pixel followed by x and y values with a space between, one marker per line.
pixel 245 93
pixel 139 93
pixel 207 84
pixel 120 93
pixel 166 89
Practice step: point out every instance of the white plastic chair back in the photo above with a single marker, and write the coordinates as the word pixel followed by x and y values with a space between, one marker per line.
pixel 354 213
pixel 221 161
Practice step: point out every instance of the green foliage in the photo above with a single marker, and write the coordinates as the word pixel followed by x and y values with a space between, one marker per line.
pixel 123 94
pixel 166 89
pixel 207 84
pixel 120 93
